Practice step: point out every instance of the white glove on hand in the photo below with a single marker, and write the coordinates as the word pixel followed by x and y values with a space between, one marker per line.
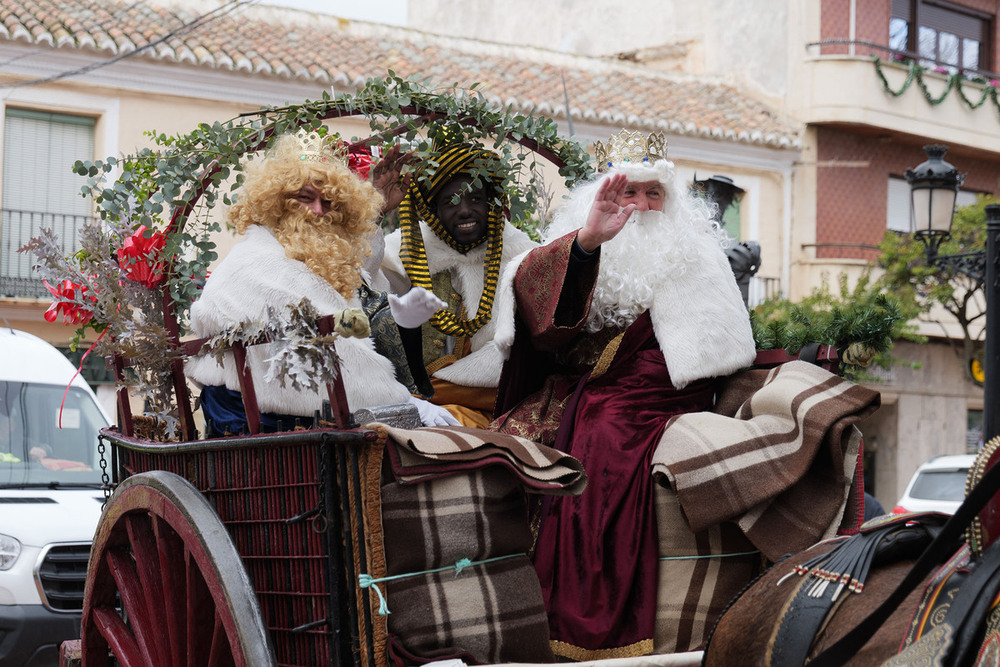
pixel 415 307
pixel 433 415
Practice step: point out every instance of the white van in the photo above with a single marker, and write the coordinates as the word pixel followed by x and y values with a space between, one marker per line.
pixel 50 497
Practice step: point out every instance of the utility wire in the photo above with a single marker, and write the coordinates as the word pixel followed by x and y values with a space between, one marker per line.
pixel 569 116
pixel 197 22
pixel 100 26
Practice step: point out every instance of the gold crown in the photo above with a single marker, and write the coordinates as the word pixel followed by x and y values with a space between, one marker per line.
pixel 316 148
pixel 630 147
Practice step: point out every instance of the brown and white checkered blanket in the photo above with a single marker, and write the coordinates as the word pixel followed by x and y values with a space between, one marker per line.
pixel 421 454
pixel 456 496
pixel 491 610
pixel 777 457
pixel 699 574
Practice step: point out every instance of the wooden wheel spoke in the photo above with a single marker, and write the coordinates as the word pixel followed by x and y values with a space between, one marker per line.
pixel 126 577
pixel 119 637
pixel 146 554
pixel 200 612
pixel 220 656
pixel 173 565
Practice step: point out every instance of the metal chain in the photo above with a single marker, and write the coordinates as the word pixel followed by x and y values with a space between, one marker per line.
pixel 320 522
pixel 105 478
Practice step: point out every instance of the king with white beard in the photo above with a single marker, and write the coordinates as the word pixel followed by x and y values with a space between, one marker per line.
pixel 626 317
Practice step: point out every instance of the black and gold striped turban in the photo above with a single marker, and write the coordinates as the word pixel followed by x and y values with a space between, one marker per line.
pixel 418 204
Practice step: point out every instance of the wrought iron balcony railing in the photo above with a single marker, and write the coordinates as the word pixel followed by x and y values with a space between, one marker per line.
pixel 17 279
pixel 762 289
pixel 864 49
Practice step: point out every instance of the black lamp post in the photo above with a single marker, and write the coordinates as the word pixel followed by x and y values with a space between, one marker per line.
pixel 719 189
pixel 934 185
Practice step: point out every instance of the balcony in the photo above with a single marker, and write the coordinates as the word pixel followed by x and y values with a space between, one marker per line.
pixel 18 227
pixel 846 89
pixel 761 289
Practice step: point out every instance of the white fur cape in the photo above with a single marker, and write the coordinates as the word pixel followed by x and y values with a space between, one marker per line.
pixel 699 318
pixel 256 274
pixel 481 368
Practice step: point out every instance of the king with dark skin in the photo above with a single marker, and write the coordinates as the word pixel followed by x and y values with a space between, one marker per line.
pixel 454 238
pixel 463 210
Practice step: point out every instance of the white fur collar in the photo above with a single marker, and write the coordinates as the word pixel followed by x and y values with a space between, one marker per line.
pixel 257 274
pixel 699 319
pixel 482 367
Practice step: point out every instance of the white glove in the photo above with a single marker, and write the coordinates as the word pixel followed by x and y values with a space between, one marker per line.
pixel 433 415
pixel 415 307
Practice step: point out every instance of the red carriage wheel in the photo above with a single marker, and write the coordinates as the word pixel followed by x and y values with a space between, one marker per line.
pixel 165 584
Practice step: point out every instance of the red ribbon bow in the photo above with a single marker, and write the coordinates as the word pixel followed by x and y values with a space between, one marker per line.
pixel 65 294
pixel 137 257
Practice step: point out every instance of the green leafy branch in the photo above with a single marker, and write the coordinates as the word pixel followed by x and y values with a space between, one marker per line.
pixel 861 323
pixel 173 186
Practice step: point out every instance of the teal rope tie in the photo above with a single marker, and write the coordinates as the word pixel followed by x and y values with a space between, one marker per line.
pixel 367 581
pixel 739 553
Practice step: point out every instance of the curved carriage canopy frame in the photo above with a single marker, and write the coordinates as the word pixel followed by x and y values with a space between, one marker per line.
pixel 421 116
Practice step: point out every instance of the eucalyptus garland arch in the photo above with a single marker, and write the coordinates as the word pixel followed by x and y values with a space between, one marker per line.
pixel 137 272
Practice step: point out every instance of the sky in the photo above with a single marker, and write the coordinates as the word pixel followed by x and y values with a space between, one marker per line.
pixel 392 12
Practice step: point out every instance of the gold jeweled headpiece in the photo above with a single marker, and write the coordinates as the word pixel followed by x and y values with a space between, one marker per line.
pixel 630 147
pixel 316 148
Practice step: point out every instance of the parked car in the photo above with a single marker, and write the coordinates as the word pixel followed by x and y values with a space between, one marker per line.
pixel 50 495
pixel 938 485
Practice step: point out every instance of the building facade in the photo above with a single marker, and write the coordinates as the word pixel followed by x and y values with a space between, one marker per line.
pixel 839 70
pixel 784 97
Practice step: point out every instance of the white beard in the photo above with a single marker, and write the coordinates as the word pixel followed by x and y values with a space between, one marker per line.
pixel 635 265
pixel 672 264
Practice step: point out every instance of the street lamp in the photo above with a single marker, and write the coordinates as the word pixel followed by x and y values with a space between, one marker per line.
pixel 718 189
pixel 934 185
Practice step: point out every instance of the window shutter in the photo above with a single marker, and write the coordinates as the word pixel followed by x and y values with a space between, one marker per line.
pixel 40 188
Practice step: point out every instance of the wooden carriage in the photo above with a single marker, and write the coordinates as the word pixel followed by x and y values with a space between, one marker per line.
pixel 246 550
pixel 238 550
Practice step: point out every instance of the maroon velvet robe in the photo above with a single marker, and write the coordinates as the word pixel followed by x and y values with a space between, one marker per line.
pixel 605 400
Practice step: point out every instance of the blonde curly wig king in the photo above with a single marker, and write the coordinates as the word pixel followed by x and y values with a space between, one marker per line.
pixel 333 245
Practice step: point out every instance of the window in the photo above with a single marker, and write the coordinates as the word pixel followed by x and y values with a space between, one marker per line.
pixel 40 189
pixel 58 424
pixel 973 431
pixel 943 35
pixel 897 208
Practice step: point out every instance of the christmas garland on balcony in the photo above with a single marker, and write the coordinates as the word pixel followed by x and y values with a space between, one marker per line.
pixel 954 82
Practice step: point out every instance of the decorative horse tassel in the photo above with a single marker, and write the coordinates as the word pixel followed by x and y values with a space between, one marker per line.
pixel 847 564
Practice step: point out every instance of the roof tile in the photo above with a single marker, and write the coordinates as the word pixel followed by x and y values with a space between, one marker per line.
pixel 286 43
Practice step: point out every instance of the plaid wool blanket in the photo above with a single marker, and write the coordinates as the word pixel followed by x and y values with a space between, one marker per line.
pixel 422 454
pixel 489 608
pixel 447 538
pixel 777 457
pixel 698 575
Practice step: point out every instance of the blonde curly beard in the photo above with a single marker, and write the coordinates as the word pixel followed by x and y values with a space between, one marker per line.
pixel 333 246
pixel 331 251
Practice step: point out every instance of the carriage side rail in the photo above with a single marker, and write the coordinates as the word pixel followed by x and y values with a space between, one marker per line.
pixel 336 393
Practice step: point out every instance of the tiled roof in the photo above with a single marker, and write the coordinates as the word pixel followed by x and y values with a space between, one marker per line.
pixel 292 44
